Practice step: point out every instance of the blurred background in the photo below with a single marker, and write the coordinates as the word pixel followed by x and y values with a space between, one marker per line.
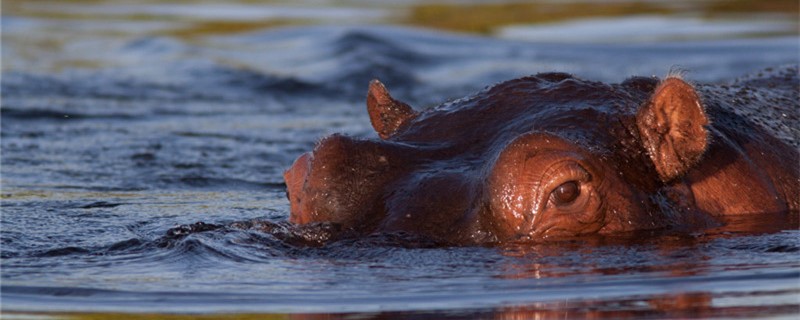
pixel 53 35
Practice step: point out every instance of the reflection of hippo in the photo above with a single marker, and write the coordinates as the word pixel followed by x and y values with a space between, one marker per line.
pixel 553 155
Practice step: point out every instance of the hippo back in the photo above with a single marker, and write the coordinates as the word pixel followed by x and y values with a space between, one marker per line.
pixel 766 99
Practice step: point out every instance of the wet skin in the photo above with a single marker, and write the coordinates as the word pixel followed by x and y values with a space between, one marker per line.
pixel 553 156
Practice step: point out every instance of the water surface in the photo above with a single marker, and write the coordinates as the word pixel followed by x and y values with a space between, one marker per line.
pixel 119 140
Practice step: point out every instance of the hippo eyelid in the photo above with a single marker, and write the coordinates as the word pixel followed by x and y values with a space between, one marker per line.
pixel 563 171
pixel 556 174
pixel 560 173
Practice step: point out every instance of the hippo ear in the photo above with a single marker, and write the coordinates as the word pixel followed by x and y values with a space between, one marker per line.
pixel 672 125
pixel 386 113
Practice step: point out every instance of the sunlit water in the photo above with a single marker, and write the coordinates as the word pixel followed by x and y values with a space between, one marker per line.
pixel 99 164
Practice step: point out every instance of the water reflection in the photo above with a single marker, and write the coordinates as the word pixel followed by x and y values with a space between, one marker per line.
pixel 682 305
pixel 693 305
pixel 670 253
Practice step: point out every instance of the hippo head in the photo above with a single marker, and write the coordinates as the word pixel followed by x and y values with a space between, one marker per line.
pixel 532 158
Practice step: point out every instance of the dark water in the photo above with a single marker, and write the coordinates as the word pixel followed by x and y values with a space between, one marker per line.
pixel 101 164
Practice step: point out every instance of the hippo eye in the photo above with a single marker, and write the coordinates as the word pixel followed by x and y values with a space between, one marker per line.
pixel 566 192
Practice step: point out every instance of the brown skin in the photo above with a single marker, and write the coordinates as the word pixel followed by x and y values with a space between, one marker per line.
pixel 554 156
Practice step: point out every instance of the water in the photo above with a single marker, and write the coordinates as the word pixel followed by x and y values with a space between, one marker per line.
pixel 115 133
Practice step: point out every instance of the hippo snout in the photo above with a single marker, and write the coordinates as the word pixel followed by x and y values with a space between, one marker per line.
pixel 341 181
pixel 295 178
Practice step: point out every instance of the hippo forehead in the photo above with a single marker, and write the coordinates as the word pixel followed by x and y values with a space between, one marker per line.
pixel 587 113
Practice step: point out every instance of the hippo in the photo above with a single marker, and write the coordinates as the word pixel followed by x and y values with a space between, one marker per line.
pixel 554 156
